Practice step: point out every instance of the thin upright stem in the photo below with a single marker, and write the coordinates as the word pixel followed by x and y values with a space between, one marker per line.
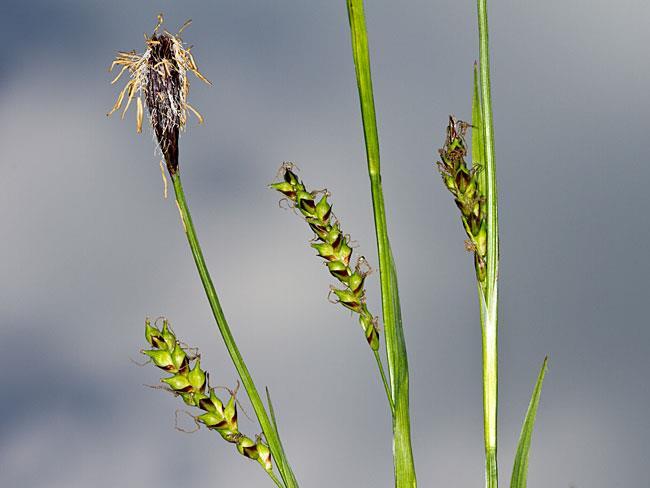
pixel 268 428
pixel 489 295
pixel 275 479
pixel 380 366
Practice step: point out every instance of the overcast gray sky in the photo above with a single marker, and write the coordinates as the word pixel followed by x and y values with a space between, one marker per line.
pixel 89 247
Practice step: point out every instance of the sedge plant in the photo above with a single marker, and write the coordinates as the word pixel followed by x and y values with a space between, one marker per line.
pixel 475 194
pixel 158 81
pixel 160 77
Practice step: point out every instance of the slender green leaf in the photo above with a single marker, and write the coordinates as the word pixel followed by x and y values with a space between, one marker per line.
pixel 282 465
pixel 397 313
pixel 489 296
pixel 395 345
pixel 520 468
pixel 405 470
pixel 478 145
pixel 488 142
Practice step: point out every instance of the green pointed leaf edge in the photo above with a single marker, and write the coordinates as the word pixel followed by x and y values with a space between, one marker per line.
pixel 284 468
pixel 520 467
pixel 478 145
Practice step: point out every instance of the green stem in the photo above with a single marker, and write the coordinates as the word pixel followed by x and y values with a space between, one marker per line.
pixel 275 479
pixel 489 347
pixel 383 379
pixel 395 344
pixel 489 300
pixel 268 428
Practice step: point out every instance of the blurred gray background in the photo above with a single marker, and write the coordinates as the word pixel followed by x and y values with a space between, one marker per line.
pixel 89 247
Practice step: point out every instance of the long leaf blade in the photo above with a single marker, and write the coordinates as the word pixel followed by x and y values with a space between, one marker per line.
pixel 490 365
pixel 395 346
pixel 404 469
pixel 478 145
pixel 520 468
pixel 282 465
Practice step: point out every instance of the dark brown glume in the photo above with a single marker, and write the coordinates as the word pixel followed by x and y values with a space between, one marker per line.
pixel 163 86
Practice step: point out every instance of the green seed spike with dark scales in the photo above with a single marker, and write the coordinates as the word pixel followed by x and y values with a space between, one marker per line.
pixel 334 247
pixel 463 183
pixel 190 382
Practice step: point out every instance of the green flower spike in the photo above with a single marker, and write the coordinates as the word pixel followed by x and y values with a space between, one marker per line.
pixel 334 247
pixel 463 183
pixel 190 382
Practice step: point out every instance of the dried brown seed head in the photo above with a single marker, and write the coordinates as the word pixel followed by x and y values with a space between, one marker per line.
pixel 159 76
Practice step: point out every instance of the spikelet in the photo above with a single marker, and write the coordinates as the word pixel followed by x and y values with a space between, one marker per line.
pixel 463 183
pixel 159 76
pixel 334 247
pixel 190 382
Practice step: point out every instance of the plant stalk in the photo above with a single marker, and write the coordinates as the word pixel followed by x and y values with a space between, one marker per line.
pixel 395 344
pixel 268 428
pixel 275 479
pixel 389 396
pixel 489 293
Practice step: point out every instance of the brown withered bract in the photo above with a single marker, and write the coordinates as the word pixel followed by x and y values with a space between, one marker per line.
pixel 159 76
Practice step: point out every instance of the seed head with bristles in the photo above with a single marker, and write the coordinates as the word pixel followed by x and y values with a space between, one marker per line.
pixel 189 381
pixel 159 76
pixel 464 184
pixel 333 246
